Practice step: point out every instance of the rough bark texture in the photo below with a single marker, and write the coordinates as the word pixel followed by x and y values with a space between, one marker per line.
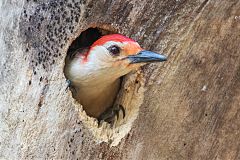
pixel 191 107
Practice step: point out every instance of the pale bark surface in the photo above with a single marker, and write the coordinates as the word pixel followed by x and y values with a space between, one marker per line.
pixel 191 103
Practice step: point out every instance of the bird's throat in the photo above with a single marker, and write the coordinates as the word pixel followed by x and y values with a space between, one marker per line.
pixel 97 98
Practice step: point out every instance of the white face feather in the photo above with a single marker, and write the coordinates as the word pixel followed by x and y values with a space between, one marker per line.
pixel 99 68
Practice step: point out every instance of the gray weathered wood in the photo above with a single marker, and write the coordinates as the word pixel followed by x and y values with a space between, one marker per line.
pixel 191 104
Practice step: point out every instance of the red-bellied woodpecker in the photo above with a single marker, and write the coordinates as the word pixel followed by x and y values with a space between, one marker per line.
pixel 95 72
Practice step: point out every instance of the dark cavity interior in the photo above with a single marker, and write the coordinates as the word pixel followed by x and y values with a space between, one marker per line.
pixel 87 38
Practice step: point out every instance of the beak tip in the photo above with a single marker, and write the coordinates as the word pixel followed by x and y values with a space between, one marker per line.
pixel 163 58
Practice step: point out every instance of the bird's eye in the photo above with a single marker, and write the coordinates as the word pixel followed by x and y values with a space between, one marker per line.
pixel 114 50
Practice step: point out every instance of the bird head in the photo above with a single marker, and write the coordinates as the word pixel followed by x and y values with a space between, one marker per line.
pixel 113 56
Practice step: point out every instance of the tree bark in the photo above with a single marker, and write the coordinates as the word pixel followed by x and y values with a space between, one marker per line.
pixel 190 105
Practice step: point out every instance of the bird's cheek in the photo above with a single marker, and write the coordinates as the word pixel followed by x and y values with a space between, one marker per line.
pixel 125 64
pixel 135 66
pixel 121 63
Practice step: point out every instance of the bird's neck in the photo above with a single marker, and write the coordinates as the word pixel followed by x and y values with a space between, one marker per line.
pixel 97 97
pixel 95 88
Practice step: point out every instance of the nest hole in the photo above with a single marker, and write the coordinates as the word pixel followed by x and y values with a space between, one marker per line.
pixel 84 40
pixel 131 93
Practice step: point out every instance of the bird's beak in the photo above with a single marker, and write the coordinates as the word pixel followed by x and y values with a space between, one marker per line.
pixel 146 56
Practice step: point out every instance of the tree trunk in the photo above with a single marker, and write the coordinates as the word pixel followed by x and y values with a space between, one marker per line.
pixel 185 108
